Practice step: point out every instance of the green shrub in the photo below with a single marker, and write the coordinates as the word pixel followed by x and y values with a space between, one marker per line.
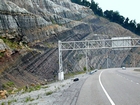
pixel 37 87
pixel 28 99
pixel 1 54
pixel 11 101
pixel 3 103
pixel 49 93
pixel 84 68
pixel 10 43
pixel 8 84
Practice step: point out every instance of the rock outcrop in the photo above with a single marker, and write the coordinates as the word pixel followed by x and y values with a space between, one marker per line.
pixel 37 25
pixel 3 94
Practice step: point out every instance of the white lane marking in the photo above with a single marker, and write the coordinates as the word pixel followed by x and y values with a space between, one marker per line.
pixel 128 79
pixel 109 98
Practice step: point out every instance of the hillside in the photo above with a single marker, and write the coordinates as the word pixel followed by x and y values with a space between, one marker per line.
pixel 29 33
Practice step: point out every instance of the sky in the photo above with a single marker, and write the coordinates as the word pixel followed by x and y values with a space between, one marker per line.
pixel 126 8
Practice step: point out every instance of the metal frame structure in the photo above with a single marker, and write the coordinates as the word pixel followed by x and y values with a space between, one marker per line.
pixel 126 43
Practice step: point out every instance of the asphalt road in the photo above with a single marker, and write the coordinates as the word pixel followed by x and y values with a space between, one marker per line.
pixel 111 87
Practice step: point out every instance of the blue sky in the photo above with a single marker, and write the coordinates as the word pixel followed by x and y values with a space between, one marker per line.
pixel 126 8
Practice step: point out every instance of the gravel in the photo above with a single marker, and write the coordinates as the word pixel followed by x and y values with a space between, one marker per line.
pixel 59 93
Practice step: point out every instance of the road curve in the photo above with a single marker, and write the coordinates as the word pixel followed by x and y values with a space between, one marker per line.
pixel 111 87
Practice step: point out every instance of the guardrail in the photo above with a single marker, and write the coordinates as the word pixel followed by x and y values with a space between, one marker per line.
pixel 93 71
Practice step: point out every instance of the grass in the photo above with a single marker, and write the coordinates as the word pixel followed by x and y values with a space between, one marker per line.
pixel 45 86
pixel 8 85
pixel 84 68
pixel 37 87
pixel 50 44
pixel 49 93
pixel 24 90
pixel 137 70
pixel 11 101
pixel 1 54
pixel 29 99
pixel 10 43
pixel 32 88
pixel 38 97
pixel 63 85
pixel 3 103
pixel 72 74
pixel 58 88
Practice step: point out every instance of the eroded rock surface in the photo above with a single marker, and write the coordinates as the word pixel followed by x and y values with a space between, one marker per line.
pixel 37 25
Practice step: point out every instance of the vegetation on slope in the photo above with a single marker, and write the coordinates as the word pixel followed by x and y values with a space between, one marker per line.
pixel 111 15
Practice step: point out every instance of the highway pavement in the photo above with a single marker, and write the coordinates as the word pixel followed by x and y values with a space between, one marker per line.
pixel 111 87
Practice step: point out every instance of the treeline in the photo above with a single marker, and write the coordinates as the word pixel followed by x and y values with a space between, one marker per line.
pixel 111 15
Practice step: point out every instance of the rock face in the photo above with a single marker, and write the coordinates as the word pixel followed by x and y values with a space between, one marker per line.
pixel 39 24
pixel 2 46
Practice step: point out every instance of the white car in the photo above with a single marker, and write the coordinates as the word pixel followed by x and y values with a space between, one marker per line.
pixel 123 68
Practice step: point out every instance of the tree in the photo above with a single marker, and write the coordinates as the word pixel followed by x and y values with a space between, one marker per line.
pixel 126 22
pixel 96 9
pixel 138 29
pixel 115 16
pixel 121 20
pixel 111 15
pixel 76 1
pixel 100 11
pixel 108 14
pixel 132 25
pixel 93 6
pixel 118 18
pixel 86 3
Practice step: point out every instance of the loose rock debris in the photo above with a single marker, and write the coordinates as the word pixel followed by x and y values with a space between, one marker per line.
pixel 76 79
pixel 3 94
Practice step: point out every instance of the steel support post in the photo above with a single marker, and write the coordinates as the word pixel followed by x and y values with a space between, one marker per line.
pixel 107 60
pixel 86 56
pixel 134 60
pixel 60 73
pixel 86 61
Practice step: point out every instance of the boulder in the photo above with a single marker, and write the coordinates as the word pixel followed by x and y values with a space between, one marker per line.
pixel 3 94
pixel 3 46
